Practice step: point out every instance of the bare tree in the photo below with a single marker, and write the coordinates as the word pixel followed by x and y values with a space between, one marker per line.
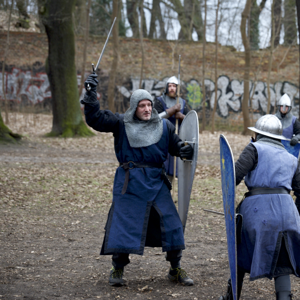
pixel 23 15
pixel 246 43
pixel 203 68
pixel 86 38
pixel 156 15
pixel 273 35
pixel 4 62
pixel 289 21
pixel 133 17
pixel 277 21
pixel 142 43
pixel 114 65
pixel 6 135
pixel 216 70
pixel 57 18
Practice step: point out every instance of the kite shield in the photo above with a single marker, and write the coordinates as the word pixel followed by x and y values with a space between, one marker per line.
pixel 189 133
pixel 228 191
pixel 294 150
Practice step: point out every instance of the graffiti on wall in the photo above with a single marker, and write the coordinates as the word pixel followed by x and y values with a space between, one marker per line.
pixel 229 94
pixel 24 85
pixel 35 89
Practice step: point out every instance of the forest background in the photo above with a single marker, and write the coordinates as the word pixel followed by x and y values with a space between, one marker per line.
pixel 247 60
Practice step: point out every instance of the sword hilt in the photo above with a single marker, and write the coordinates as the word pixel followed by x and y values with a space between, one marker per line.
pixel 88 87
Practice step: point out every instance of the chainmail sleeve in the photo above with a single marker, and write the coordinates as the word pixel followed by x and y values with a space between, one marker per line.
pixel 246 163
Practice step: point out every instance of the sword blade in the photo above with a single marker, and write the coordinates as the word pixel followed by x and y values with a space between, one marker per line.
pixel 98 63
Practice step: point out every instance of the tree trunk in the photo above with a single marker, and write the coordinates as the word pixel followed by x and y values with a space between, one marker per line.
pixel 290 30
pixel 277 21
pixel 6 135
pixel 246 43
pixel 57 17
pixel 203 69
pixel 197 20
pixel 255 11
pixel 114 65
pixel 298 22
pixel 4 63
pixel 271 57
pixel 24 18
pixel 86 38
pixel 133 17
pixel 156 15
pixel 184 31
pixel 216 70
pixel 142 44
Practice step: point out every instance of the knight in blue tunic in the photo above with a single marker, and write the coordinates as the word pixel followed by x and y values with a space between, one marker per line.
pixel 142 211
pixel 290 124
pixel 166 105
pixel 270 234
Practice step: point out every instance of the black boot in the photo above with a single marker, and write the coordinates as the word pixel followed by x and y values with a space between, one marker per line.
pixel 285 295
pixel 116 277
pixel 179 275
pixel 228 295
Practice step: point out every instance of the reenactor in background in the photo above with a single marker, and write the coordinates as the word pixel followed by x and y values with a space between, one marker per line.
pixel 167 107
pixel 290 124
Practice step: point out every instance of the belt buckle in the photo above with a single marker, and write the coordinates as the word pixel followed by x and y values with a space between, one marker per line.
pixel 132 162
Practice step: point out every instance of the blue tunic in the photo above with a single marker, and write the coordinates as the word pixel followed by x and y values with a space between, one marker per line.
pixel 289 131
pixel 127 223
pixel 268 219
pixel 169 163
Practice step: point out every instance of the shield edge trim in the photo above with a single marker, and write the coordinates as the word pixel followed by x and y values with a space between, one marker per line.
pixel 234 294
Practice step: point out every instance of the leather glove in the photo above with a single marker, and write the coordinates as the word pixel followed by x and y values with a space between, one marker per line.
pixel 173 110
pixel 294 141
pixel 186 151
pixel 90 95
pixel 179 116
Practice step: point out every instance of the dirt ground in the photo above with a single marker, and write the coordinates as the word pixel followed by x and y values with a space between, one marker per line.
pixel 54 198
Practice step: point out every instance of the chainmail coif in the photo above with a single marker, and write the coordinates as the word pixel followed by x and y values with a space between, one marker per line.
pixel 142 133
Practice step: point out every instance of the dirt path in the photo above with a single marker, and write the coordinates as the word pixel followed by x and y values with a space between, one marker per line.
pixel 54 199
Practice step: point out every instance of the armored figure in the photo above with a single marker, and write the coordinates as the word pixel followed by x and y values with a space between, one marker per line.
pixel 142 211
pixel 290 124
pixel 167 107
pixel 270 234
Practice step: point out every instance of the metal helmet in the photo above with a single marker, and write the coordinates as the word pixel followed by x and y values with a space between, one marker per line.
pixel 285 101
pixel 269 125
pixel 172 79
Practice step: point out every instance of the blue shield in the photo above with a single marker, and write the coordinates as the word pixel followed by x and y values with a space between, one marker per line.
pixel 291 149
pixel 228 191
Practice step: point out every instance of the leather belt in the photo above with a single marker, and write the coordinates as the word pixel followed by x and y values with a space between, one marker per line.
pixel 264 191
pixel 131 165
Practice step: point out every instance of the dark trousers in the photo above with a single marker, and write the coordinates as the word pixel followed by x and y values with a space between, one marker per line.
pixel 120 260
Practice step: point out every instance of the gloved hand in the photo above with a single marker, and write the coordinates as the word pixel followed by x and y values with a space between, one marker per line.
pixel 90 95
pixel 173 110
pixel 294 141
pixel 186 151
pixel 179 116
